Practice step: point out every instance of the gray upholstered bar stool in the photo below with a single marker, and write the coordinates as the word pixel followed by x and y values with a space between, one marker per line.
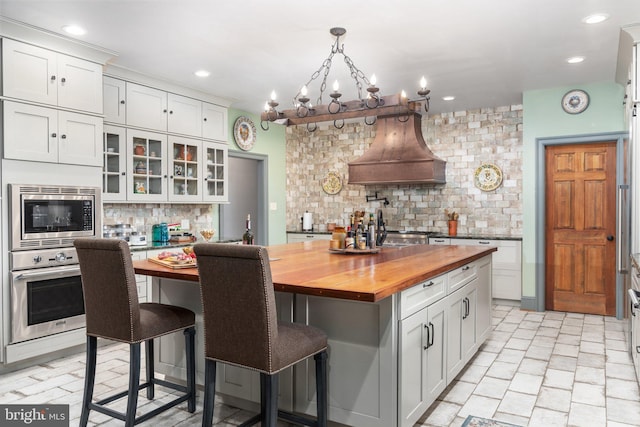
pixel 113 312
pixel 241 328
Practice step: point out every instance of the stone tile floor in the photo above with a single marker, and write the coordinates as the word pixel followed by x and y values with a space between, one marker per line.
pixel 536 369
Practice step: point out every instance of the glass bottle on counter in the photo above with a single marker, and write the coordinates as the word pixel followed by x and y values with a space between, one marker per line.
pixel 247 237
pixel 371 229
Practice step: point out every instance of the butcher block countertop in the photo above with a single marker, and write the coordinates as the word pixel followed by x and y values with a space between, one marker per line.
pixel 309 268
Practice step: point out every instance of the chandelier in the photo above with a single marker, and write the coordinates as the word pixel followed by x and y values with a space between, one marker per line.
pixel 369 105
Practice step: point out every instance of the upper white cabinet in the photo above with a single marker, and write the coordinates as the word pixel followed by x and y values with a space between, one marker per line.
pixel 39 75
pixel 115 107
pixel 146 107
pixel 43 134
pixel 157 110
pixel 214 122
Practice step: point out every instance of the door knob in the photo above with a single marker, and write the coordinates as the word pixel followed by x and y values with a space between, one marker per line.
pixel 610 238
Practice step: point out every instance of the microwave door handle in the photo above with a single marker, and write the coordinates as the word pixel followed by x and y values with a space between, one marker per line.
pixel 48 272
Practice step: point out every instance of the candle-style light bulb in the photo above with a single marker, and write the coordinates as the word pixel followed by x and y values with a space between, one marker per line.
pixel 273 95
pixel 336 86
pixel 266 106
pixel 403 94
pixel 423 83
pixel 372 80
pixel 303 91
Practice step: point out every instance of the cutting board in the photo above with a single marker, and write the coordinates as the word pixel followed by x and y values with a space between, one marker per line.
pixel 173 264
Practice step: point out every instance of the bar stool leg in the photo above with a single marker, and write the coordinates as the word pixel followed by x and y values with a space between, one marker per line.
pixel 149 355
pixel 134 384
pixel 209 392
pixel 321 388
pixel 89 378
pixel 190 347
pixel 269 399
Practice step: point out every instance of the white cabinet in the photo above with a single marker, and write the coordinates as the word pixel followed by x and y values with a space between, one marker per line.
pixel 146 107
pixel 422 365
pixel 39 75
pixel 43 134
pixel 439 241
pixel 185 115
pixel 215 172
pixel 146 166
pixel 214 122
pixel 308 237
pixel 115 106
pixel 442 323
pixel 158 110
pixel 507 264
pixel 141 279
pixel 114 175
pixel 185 183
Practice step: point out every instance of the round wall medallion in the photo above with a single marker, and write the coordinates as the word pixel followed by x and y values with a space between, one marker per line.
pixel 575 101
pixel 487 177
pixel 244 133
pixel 332 183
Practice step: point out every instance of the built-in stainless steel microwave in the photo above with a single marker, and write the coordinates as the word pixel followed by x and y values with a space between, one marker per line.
pixel 49 216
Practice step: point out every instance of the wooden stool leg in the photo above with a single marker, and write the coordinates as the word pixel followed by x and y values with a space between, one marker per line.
pixel 149 355
pixel 209 392
pixel 189 342
pixel 134 384
pixel 89 379
pixel 269 399
pixel 321 388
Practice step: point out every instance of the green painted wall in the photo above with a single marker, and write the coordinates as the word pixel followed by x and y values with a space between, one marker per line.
pixel 272 144
pixel 544 117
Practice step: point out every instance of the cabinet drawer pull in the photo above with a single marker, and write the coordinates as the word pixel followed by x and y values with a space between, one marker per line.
pixel 465 268
pixel 638 349
pixel 426 285
pixel 483 243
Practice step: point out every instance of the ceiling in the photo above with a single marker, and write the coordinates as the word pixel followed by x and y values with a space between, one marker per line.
pixel 485 53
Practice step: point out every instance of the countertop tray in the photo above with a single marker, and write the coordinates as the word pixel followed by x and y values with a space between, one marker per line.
pixel 351 251
pixel 173 264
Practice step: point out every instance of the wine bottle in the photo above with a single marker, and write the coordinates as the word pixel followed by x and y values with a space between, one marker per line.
pixel 247 237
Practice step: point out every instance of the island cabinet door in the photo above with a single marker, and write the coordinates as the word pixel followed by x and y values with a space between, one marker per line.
pixel 461 321
pixel 422 363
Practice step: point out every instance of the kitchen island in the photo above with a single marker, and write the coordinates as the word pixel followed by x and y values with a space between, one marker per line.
pixel 402 323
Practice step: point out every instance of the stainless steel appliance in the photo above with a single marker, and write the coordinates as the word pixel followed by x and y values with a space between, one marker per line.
pixel 46 293
pixel 634 305
pixel 49 216
pixel 406 238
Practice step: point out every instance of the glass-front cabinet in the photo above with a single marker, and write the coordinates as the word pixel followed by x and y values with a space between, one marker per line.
pixel 184 175
pixel 114 176
pixel 147 166
pixel 215 172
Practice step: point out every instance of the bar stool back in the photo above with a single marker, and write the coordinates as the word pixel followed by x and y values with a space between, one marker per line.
pixel 241 328
pixel 113 313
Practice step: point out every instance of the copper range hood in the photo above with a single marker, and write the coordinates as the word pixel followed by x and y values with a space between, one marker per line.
pixel 398 155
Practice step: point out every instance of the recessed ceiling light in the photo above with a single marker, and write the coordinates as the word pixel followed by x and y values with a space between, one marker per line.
pixel 202 73
pixel 448 98
pixel 575 59
pixel 74 30
pixel 596 18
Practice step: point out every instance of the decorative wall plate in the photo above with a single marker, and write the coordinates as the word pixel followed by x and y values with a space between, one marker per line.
pixel 244 133
pixel 575 101
pixel 332 183
pixel 487 177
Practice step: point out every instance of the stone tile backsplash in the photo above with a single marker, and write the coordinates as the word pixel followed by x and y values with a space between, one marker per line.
pixel 465 139
pixel 142 216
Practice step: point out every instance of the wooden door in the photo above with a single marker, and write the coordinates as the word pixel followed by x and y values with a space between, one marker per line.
pixel 580 228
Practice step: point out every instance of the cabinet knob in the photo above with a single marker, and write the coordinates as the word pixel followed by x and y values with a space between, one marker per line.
pixel 53 135
pixel 122 102
pixel 205 119
pixel 63 136
pixel 164 111
pixel 124 173
pixel 465 268
pixel 53 78
pixel 63 80
pixel 171 112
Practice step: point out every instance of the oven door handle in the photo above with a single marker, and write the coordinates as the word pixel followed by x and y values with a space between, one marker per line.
pixel 60 271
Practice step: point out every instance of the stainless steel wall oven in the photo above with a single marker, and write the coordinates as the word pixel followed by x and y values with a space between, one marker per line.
pixel 45 281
